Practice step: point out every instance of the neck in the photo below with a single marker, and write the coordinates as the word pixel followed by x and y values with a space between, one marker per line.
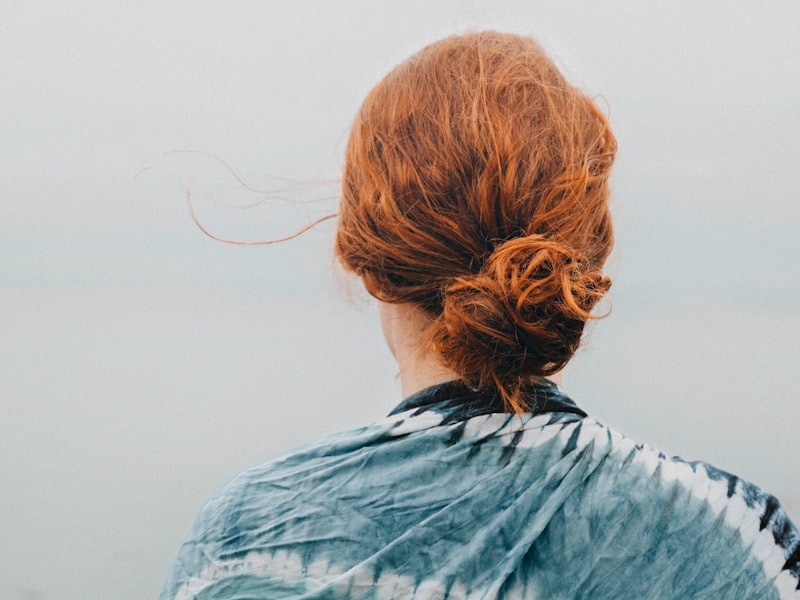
pixel 405 327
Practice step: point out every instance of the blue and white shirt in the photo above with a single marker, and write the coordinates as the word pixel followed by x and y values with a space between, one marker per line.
pixel 452 498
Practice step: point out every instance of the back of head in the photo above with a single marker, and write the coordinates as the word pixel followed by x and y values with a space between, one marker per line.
pixel 475 187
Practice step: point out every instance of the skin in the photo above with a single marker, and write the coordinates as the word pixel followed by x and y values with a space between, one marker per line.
pixel 404 327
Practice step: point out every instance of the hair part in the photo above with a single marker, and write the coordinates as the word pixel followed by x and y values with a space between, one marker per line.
pixel 476 187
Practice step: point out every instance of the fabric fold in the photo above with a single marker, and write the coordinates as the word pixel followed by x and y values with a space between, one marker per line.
pixel 450 497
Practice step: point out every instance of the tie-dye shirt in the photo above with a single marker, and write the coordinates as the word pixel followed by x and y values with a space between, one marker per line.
pixel 450 497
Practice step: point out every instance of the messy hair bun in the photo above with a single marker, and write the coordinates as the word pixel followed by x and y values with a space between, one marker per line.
pixel 476 187
pixel 522 314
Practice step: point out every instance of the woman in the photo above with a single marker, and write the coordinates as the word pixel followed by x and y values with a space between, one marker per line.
pixel 475 209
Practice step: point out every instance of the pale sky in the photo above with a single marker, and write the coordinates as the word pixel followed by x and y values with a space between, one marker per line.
pixel 704 97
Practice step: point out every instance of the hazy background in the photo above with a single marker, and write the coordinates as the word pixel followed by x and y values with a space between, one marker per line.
pixel 142 364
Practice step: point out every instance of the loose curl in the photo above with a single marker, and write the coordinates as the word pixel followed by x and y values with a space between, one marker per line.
pixel 476 187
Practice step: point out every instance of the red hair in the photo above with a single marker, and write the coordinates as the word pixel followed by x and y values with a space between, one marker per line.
pixel 476 187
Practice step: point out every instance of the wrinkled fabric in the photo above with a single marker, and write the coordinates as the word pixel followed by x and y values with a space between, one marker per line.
pixel 449 497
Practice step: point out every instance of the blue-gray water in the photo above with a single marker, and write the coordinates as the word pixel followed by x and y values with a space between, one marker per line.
pixel 124 408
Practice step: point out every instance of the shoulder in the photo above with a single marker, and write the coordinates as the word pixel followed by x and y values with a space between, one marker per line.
pixel 257 508
pixel 562 500
pixel 669 515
